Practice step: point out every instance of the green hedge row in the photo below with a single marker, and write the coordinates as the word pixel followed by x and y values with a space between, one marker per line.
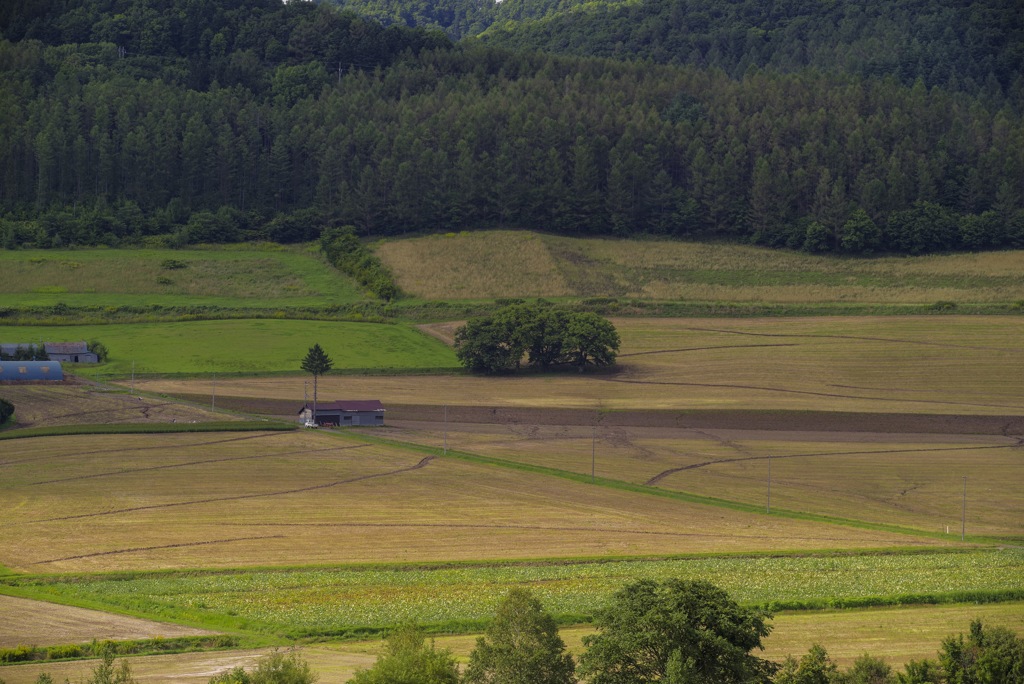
pixel 350 256
pixel 6 410
pixel 94 649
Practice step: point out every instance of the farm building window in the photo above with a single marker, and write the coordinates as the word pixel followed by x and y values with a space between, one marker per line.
pixel 22 369
pixel 45 369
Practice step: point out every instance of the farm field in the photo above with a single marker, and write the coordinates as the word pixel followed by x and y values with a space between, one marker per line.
pixel 492 264
pixel 32 622
pixel 926 365
pixel 236 276
pixel 898 634
pixel 140 502
pixel 914 480
pixel 317 602
pixel 245 346
pixel 90 404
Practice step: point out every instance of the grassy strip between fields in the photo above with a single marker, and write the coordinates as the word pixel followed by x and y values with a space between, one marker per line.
pixel 143 428
pixel 355 602
pixel 664 493
pixel 95 649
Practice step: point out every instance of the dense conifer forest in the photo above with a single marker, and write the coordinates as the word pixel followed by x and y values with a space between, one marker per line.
pixel 824 127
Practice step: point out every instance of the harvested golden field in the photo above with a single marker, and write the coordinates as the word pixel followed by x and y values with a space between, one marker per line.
pixel 914 480
pixel 91 503
pixel 951 365
pixel 43 624
pixel 77 404
pixel 494 264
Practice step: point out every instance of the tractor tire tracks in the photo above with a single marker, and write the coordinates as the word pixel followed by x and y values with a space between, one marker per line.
pixel 186 464
pixel 157 548
pixel 238 497
pixel 703 464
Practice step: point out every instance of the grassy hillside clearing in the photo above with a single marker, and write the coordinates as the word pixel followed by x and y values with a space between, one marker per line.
pixel 245 346
pixel 929 365
pixel 236 276
pixel 492 264
pixel 207 500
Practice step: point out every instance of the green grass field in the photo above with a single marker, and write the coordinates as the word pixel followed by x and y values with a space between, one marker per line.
pixel 325 602
pixel 265 276
pixel 245 346
pixel 491 264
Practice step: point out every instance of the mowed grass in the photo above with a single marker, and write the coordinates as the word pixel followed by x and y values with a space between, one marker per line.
pixel 927 364
pixel 106 502
pixel 236 276
pixel 493 264
pixel 245 346
pixel 907 480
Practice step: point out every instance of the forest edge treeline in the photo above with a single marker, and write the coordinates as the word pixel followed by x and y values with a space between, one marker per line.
pixel 269 121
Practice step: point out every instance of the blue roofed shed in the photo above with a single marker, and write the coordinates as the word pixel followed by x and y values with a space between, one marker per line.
pixel 30 371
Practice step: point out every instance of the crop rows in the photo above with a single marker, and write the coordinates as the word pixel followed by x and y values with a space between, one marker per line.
pixel 338 601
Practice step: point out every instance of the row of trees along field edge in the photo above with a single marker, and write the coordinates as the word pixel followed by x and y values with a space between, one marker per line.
pixel 135 121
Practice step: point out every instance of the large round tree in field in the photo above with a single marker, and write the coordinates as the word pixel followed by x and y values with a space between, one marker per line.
pixel 677 632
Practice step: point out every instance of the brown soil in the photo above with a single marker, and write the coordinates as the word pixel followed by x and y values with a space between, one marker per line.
pixel 44 624
pixel 775 421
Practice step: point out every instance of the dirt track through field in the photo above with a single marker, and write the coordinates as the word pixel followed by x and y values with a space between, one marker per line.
pixel 925 343
pixel 193 463
pixel 145 448
pixel 422 464
pixel 773 421
pixel 783 390
pixel 549 528
pixel 690 349
pixel 694 466
pixel 157 548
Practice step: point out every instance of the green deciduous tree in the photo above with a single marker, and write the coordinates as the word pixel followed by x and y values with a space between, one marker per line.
pixel 813 668
pixel 316 362
pixel 988 655
pixel 408 659
pixel 521 646
pixel 679 631
pixel 498 343
pixel 867 669
pixel 276 668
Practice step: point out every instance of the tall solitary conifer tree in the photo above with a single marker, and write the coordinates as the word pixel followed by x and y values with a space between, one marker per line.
pixel 316 362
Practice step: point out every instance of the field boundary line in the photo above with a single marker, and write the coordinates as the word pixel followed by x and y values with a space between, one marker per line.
pixel 663 493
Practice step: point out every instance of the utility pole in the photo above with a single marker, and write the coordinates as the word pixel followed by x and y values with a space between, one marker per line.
pixel 593 454
pixel 963 512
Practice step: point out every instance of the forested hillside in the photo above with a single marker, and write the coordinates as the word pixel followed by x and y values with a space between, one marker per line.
pixel 237 119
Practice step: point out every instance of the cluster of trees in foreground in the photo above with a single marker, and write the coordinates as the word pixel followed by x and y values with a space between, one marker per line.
pixel 673 632
pixel 263 120
pixel 546 336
